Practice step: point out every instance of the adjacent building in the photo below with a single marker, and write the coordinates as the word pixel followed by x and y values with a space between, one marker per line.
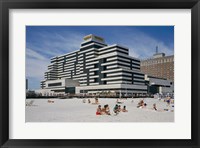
pixel 159 66
pixel 159 85
pixel 26 84
pixel 95 67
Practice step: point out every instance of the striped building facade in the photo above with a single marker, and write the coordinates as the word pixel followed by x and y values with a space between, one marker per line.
pixel 97 67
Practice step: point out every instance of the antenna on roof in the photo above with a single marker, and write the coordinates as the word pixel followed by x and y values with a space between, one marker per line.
pixel 156 49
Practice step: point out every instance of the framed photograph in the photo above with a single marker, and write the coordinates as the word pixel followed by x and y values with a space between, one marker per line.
pixel 113 74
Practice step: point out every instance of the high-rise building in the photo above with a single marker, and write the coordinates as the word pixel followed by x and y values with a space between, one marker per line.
pixel 26 84
pixel 97 67
pixel 160 66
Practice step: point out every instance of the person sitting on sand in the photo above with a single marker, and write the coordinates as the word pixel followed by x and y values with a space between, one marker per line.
pixel 103 110
pixel 124 109
pixel 119 101
pixel 168 101
pixel 89 101
pixel 84 100
pixel 96 100
pixel 98 112
pixel 107 109
pixel 172 101
pixel 154 106
pixel 119 108
pixel 141 104
pixel 116 111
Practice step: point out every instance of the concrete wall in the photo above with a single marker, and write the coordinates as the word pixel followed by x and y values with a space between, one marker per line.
pixel 62 81
pixel 71 83
pixel 114 86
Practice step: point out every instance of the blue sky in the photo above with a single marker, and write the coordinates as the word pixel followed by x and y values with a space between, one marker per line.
pixel 44 42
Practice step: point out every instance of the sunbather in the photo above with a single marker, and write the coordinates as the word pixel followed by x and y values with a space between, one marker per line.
pixel 107 109
pixel 116 111
pixel 99 110
pixel 154 106
pixel 119 108
pixel 84 100
pixel 124 109
pixel 141 104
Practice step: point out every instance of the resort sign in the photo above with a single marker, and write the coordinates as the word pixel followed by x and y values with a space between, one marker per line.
pixel 87 37
pixel 93 37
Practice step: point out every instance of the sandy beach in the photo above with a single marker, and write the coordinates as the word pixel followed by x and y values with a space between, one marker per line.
pixel 74 110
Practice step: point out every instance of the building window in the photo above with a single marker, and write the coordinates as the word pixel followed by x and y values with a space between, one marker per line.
pixel 95 65
pixel 95 72
pixel 96 80
pixel 54 84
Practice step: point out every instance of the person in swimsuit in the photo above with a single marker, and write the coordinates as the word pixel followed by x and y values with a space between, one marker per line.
pixel 116 111
pixel 107 109
pixel 119 108
pixel 98 112
pixel 140 104
pixel 124 109
pixel 154 106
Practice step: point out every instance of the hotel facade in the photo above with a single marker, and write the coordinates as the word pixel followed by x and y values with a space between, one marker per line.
pixel 95 67
pixel 160 66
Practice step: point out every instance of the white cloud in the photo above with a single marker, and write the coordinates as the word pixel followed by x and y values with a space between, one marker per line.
pixel 36 64
pixel 49 45
pixel 32 54
pixel 142 45
pixel 55 44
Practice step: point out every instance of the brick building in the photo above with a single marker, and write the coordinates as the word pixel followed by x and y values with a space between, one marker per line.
pixel 160 66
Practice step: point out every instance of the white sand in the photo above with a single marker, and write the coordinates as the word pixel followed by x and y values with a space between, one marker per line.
pixel 73 110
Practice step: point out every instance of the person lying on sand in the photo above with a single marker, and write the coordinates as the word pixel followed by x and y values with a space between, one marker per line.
pixel 50 101
pixel 124 109
pixel 119 101
pixel 99 110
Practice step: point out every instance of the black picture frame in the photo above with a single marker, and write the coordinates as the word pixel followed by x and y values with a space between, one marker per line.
pixel 5 5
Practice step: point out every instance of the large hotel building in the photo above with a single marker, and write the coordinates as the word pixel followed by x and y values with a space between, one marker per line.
pixel 95 67
pixel 159 66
